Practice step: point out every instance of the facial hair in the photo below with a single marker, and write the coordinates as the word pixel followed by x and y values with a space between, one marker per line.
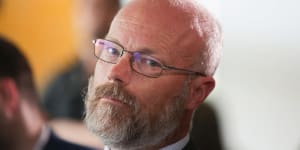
pixel 130 127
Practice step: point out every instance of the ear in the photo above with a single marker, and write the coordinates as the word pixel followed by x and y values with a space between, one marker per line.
pixel 200 89
pixel 9 97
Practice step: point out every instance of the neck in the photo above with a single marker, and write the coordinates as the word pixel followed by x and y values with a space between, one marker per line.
pixel 33 122
pixel 180 132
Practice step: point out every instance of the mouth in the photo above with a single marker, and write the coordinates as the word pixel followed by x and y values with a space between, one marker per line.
pixel 113 101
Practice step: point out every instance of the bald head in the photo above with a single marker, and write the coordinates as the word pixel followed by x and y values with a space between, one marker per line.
pixel 183 25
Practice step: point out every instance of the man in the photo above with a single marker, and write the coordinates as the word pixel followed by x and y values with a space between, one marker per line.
pixel 154 69
pixel 63 97
pixel 22 123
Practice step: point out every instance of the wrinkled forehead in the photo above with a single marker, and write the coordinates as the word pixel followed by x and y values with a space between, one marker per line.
pixel 145 34
pixel 166 20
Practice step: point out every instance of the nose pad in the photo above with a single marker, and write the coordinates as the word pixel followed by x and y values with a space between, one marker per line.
pixel 121 72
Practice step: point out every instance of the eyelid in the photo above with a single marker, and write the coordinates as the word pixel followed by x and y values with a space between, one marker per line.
pixel 160 61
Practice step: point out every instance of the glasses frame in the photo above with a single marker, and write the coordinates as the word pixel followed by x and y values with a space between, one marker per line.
pixel 162 66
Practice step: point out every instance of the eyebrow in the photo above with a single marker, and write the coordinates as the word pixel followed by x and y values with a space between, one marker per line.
pixel 111 39
pixel 146 51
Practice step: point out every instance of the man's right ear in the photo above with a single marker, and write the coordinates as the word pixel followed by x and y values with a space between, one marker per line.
pixel 9 97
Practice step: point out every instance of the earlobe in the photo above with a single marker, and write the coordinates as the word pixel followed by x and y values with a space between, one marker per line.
pixel 200 89
pixel 9 96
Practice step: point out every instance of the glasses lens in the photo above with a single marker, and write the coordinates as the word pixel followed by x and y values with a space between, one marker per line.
pixel 107 51
pixel 146 65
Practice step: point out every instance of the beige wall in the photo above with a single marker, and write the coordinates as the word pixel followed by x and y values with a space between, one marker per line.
pixel 43 29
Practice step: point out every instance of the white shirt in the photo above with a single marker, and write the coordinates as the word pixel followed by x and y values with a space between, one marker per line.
pixel 179 145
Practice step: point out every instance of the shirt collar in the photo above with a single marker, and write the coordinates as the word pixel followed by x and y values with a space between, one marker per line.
pixel 106 148
pixel 179 145
pixel 43 139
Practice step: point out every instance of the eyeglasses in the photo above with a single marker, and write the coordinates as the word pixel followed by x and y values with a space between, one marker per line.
pixel 146 65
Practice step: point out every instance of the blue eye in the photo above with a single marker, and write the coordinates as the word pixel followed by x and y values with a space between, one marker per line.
pixel 151 63
pixel 145 61
pixel 113 51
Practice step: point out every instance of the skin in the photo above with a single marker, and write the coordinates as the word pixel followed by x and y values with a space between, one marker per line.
pixel 16 118
pixel 146 25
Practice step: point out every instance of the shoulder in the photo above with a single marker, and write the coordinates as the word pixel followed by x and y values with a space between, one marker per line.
pixel 71 75
pixel 68 81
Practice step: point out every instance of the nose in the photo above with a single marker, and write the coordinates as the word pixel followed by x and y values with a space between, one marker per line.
pixel 121 72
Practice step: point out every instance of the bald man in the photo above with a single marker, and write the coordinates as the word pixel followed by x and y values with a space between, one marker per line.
pixel 154 68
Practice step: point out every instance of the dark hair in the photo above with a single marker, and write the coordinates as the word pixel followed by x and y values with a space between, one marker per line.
pixel 13 64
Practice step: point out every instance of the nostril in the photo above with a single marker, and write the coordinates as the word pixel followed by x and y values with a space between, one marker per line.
pixel 118 75
pixel 118 80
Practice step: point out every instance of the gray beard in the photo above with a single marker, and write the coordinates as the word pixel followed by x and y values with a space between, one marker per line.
pixel 133 129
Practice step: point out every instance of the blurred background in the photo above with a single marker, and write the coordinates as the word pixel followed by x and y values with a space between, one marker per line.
pixel 43 29
pixel 257 96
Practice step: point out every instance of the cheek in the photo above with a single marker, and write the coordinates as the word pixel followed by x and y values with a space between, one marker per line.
pixel 157 94
pixel 101 73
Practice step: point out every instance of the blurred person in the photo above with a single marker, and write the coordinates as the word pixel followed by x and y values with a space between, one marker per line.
pixel 74 131
pixel 63 96
pixel 154 68
pixel 22 122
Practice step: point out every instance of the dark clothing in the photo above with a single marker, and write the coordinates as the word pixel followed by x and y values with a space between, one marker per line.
pixel 190 146
pixel 205 133
pixel 64 96
pixel 55 143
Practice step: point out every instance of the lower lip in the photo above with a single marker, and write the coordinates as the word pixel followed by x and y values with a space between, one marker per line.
pixel 112 101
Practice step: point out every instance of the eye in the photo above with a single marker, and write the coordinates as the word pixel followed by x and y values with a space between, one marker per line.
pixel 112 51
pixel 151 62
pixel 145 61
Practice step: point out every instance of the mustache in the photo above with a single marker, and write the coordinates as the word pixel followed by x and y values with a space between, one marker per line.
pixel 115 91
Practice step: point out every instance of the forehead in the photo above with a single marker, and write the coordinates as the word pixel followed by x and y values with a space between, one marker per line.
pixel 168 31
pixel 136 34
